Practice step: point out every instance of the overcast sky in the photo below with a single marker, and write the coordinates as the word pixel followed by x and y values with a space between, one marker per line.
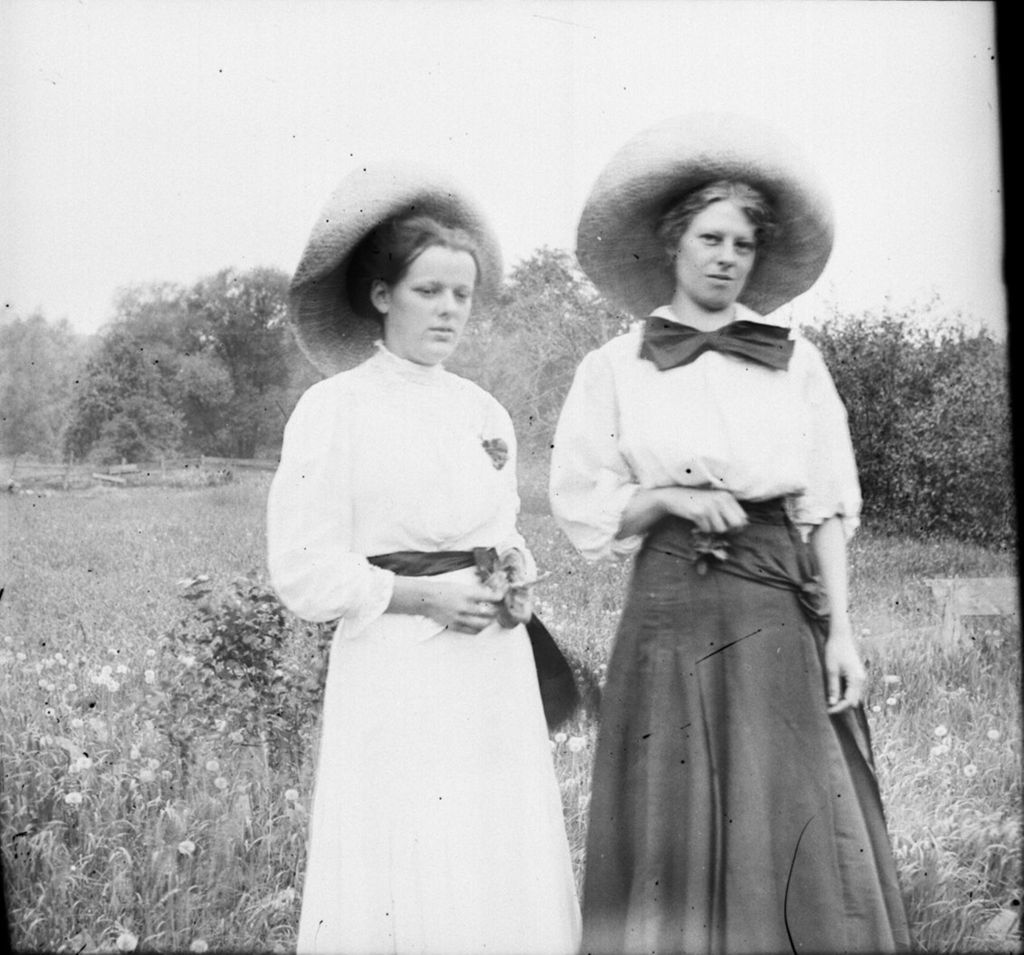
pixel 159 140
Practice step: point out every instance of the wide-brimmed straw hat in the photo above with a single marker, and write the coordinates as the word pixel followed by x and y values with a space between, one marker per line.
pixel 617 243
pixel 330 332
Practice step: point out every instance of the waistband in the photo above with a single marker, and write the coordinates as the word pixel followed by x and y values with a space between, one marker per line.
pixel 425 563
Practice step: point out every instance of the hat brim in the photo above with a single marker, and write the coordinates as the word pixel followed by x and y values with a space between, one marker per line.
pixel 617 244
pixel 332 335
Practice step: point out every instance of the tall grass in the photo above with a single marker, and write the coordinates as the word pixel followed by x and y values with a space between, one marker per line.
pixel 108 842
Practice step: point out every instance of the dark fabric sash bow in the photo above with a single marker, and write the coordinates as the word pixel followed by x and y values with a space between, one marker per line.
pixel 678 537
pixel 558 691
pixel 669 344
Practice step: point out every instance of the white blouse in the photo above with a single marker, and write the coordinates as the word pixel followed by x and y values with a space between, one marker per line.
pixel 718 422
pixel 385 457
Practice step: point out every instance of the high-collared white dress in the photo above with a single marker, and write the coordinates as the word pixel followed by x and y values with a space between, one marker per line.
pixel 437 822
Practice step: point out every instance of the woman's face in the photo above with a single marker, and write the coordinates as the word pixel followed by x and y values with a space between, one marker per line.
pixel 715 256
pixel 426 311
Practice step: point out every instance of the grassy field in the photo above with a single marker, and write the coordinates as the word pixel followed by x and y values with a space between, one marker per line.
pixel 113 837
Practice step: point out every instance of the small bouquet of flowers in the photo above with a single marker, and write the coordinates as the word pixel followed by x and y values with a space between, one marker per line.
pixel 506 574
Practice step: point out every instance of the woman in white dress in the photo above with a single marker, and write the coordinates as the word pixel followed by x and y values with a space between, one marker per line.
pixel 437 822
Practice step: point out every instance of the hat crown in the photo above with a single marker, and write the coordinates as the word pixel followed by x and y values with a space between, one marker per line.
pixel 617 243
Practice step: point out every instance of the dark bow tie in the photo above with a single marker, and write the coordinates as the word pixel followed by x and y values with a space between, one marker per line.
pixel 670 345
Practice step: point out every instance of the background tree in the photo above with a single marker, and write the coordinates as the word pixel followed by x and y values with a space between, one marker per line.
pixel 37 365
pixel 241 319
pixel 122 407
pixel 526 347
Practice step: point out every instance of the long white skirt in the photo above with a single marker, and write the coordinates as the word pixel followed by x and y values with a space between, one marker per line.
pixel 437 823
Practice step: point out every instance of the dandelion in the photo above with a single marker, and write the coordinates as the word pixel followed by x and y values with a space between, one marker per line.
pixel 126 942
pixel 939 750
pixel 292 795
pixel 865 632
pixel 72 688
pixel 198 946
pixel 577 743
pixel 134 752
pixel 74 798
pixel 892 701
pixel 122 669
pixel 150 676
pixel 151 652
pixel 187 660
pixel 220 782
pixel 20 657
pixel 212 766
pixel 146 776
pixel 560 737
pixel 220 725
pixel 113 685
pixel 153 763
pixel 993 735
pixel 106 672
pixel 59 658
pixel 187 847
pixel 891 678
pixel 876 709
pixel 970 770
pixel 81 765
pixel 45 740
pixel 77 723
pixel 940 731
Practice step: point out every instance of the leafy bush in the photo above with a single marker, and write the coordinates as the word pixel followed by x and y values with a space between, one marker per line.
pixel 240 668
pixel 930 421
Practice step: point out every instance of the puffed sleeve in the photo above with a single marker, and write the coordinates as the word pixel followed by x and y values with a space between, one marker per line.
pixel 591 482
pixel 833 488
pixel 309 520
pixel 499 424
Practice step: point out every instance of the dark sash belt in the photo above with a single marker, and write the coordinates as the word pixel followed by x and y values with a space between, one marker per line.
pixel 558 690
pixel 724 554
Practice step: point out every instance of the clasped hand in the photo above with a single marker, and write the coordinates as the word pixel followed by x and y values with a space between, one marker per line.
pixel 713 511
pixel 504 596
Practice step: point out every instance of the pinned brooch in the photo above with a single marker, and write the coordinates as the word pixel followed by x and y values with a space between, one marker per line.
pixel 497 449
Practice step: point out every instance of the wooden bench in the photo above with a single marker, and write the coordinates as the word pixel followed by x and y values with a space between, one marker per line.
pixel 972 597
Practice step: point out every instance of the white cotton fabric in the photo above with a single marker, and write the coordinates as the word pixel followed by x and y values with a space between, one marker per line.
pixel 720 422
pixel 437 820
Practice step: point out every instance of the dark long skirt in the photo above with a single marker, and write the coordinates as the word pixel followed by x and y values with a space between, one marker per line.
pixel 730 813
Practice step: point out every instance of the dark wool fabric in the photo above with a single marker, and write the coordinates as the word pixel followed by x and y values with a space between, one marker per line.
pixel 730 813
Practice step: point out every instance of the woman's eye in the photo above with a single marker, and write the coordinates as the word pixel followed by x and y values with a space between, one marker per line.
pixel 462 296
pixel 427 289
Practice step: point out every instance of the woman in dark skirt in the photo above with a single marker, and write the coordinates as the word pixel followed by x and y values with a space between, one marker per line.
pixel 734 804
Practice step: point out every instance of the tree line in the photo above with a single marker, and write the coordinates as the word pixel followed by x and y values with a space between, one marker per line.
pixel 214 369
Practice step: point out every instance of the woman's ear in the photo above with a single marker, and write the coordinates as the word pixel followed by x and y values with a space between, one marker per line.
pixel 380 296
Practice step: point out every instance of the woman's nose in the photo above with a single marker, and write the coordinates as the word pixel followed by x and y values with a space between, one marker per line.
pixel 727 252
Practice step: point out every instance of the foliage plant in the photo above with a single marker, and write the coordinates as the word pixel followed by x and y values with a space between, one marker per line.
pixel 229 669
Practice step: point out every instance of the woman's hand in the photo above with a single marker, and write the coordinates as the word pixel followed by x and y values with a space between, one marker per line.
pixel 844 669
pixel 462 607
pixel 713 511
